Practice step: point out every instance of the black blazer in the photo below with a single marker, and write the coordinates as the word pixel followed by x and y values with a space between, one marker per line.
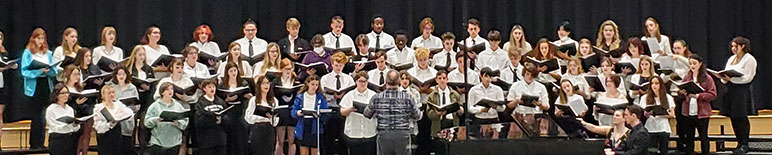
pixel 637 142
pixel 300 45
pixel 208 132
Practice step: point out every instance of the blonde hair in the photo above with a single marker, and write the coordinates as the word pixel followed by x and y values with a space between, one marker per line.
pixel 267 62
pixel 293 23
pixel 601 41
pixel 104 90
pixel 68 49
pixel 133 58
pixel 520 44
pixel 585 41
pixel 339 57
pixel 337 20
pixel 105 31
pixel 421 52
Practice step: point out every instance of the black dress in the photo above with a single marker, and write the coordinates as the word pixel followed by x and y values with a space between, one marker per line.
pixel 285 99
pixel 236 128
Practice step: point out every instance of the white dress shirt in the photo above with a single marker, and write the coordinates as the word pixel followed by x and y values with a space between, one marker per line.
pixel 250 116
pixel 99 52
pixel 508 73
pixel 440 59
pixel 245 67
pixel 566 40
pixel 153 54
pixel 200 70
pixel 431 43
pixel 118 112
pixel 395 56
pixel 475 41
pixel 578 81
pixel 422 74
pixel 657 124
pixel 329 80
pixel 479 92
pixel 472 76
pixel 387 41
pixel 208 47
pixel 356 125
pixel 345 41
pixel 258 69
pixel 747 66
pixel 55 111
pixel 496 60
pixel 520 88
pixel 258 44
pixel 375 75
pixel 664 45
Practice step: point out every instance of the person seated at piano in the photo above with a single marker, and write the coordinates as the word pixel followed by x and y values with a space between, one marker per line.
pixel 319 54
pixel 444 59
pixel 426 40
pixel 193 68
pixel 422 71
pixel 377 75
pixel 178 79
pixel 234 56
pixel 309 98
pixel 379 39
pixel 612 92
pixel 107 47
pixel 493 57
pixel 237 129
pixel 336 80
pixel 210 124
pixel 83 106
pixel 83 62
pixel 513 71
pixel 657 123
pixel 483 115
pixel 441 96
pixel 575 73
pixel 203 41
pixel 585 49
pixel 270 62
pixel 633 54
pixel 643 75
pixel 336 39
pixel 564 36
pixel 564 119
pixel 402 54
pixel 545 51
pixel 251 45
pixel 123 87
pixel 637 141
pixel 528 86
pixel 359 130
pixel 293 43
pixel 457 75
pixel 616 134
pixel 262 134
pixel 62 136
pixel 114 135
pixel 166 135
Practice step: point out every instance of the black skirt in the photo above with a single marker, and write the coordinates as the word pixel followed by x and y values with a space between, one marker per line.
pixel 262 139
pixel 62 144
pixel 737 101
pixel 309 138
pixel 113 142
pixel 285 119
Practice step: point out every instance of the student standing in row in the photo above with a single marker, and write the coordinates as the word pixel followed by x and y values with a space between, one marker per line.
pixel 38 84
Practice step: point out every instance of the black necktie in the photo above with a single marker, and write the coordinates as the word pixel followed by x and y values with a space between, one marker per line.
pixel 337 82
pixel 443 99
pixel 377 41
pixel 251 49
pixel 473 42
pixel 337 41
pixel 447 60
pixel 514 76
pixel 380 82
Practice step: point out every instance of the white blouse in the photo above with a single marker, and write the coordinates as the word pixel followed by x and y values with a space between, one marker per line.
pixel 251 118
pixel 429 43
pixel 208 47
pixel 747 66
pixel 664 45
pixel 55 111
pixel 118 112
pixel 657 123
pixel 153 54
pixel 99 52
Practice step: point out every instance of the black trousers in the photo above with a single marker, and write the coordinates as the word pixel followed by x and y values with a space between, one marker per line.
pixel 361 145
pixel 660 140
pixel 113 142
pixel 218 150
pixel 39 102
pixel 63 144
pixel 689 124
pixel 158 150
pixel 742 129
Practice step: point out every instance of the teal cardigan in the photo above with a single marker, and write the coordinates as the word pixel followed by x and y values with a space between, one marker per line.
pixel 30 76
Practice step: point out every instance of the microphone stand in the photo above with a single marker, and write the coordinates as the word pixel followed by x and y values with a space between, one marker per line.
pixel 318 131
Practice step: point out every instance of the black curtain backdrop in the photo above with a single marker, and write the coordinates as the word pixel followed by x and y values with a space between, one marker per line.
pixel 707 26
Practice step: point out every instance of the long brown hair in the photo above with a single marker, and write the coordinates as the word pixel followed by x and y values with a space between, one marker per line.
pixel 662 93
pixel 562 95
pixel 230 58
pixel 55 94
pixel 125 71
pixel 68 71
pixel 80 58
pixel 309 79
pixel 259 91
pixel 657 34
pixel 536 52
pixel 145 39
pixel 31 43
pixel 226 78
